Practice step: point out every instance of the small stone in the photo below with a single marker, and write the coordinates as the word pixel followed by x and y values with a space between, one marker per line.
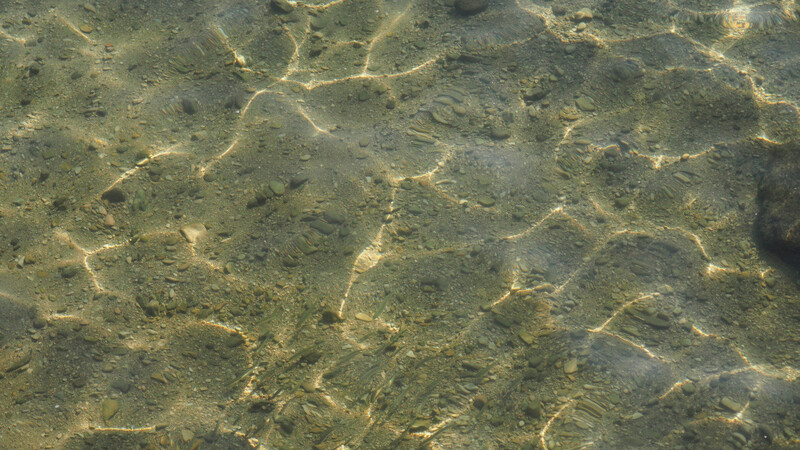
pixel 187 435
pixel 486 201
pixel 583 15
pixel 331 316
pixel 364 317
pixel 419 424
pixel 69 271
pixel 152 308
pixel 282 6
pixel 109 220
pixel 526 337
pixel 110 407
pixel 122 385
pixel 333 216
pixel 569 113
pixel 190 105
pixel 682 177
pixel 739 437
pixel 113 195
pixel 323 227
pixel 730 405
pixel 158 376
pixel 571 366
pixel 309 386
pixel 533 409
pixel 234 340
pixel 623 202
pixel 471 6
pixel 286 424
pixel 298 180
pixel 585 103
pixel 500 132
pixel 533 94
pixel 193 231
pixel 479 402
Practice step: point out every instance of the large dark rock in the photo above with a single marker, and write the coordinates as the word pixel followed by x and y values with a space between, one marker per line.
pixel 471 6
pixel 778 225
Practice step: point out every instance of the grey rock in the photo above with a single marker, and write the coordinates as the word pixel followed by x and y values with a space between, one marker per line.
pixel 471 6
pixel 778 225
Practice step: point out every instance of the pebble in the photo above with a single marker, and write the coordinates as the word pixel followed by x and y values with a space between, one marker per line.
pixel 187 435
pixel 114 195
pixel 282 6
pixel 526 337
pixel 190 105
pixel 193 231
pixel 681 176
pixel 298 180
pixel 471 6
pixel 69 271
pixel 533 94
pixel 571 366
pixel 122 385
pixel 500 132
pixel 485 200
pixel 585 103
pixel 583 15
pixel 569 113
pixel 334 216
pixel 323 227
pixel 277 187
pixel 479 402
pixel 110 407
pixel 730 405
pixel 533 409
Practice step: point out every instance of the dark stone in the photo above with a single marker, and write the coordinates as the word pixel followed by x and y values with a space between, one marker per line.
pixel 235 101
pixel 778 224
pixel 190 105
pixel 535 93
pixel 114 195
pixel 479 402
pixel 286 424
pixel 471 6
pixel 282 6
pixel 121 385
pixel 298 180
pixel 533 410
pixel 500 132
pixel 621 70
pixel 69 271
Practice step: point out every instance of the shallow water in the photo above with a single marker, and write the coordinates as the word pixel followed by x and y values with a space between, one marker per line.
pixel 395 224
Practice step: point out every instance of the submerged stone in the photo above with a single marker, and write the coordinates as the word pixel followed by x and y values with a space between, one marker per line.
pixel 778 224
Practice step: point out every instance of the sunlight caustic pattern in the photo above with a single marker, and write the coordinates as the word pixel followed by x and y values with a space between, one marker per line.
pixel 557 261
